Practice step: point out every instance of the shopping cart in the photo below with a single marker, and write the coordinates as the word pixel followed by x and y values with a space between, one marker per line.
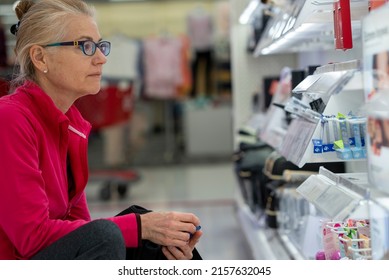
pixel 111 106
pixel 114 180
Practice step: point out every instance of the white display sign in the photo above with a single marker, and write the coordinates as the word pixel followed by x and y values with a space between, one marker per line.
pixel 375 35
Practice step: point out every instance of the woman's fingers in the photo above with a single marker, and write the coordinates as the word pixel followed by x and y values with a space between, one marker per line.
pixel 183 252
pixel 168 254
pixel 195 239
pixel 169 228
pixel 177 253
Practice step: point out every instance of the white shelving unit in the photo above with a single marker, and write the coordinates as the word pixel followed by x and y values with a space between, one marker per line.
pixel 303 25
pixel 338 196
pixel 340 87
pixel 350 195
pixel 265 243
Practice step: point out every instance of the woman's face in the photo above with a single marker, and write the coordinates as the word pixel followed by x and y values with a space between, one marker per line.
pixel 382 70
pixel 71 73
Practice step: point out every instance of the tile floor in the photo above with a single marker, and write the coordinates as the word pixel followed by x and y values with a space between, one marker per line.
pixel 208 190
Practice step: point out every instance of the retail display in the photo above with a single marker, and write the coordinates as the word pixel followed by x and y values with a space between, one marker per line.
pixel 342 25
pixel 340 91
pixel 338 113
pixel 314 24
pixel 249 162
pixel 376 52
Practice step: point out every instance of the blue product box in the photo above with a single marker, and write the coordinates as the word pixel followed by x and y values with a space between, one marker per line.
pixel 345 154
pixel 317 146
pixel 358 153
pixel 364 151
pixel 328 148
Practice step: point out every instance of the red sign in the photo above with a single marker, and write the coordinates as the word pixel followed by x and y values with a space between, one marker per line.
pixel 342 25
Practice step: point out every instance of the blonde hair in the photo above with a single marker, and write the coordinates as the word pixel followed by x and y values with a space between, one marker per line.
pixel 41 23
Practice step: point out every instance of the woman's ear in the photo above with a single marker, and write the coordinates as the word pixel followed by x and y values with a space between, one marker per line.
pixel 38 57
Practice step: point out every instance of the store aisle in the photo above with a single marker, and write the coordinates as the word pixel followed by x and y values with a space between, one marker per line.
pixel 207 190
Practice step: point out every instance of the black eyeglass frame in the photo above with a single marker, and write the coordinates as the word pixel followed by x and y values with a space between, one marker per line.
pixel 81 44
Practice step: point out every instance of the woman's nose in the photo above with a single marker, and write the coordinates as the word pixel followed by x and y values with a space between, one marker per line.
pixel 99 57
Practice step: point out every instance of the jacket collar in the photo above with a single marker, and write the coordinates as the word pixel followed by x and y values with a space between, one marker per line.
pixel 50 114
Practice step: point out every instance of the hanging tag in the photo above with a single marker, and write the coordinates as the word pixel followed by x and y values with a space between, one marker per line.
pixel 317 146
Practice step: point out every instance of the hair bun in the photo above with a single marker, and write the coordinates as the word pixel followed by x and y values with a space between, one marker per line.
pixel 22 7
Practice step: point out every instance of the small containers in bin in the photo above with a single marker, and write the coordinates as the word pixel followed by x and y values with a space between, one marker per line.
pixel 329 239
pixel 346 138
pixel 349 240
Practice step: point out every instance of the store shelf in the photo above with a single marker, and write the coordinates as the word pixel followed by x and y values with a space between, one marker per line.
pixel 290 247
pixel 375 43
pixel 306 25
pixel 379 223
pixel 337 196
pixel 350 195
pixel 265 242
pixel 340 88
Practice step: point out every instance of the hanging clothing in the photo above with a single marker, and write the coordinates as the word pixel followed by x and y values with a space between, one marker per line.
pixel 185 87
pixel 124 63
pixel 163 72
pixel 200 29
pixel 124 60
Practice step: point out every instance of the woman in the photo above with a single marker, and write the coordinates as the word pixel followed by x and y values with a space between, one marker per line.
pixel 43 163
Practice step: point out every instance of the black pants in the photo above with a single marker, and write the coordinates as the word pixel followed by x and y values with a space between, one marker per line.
pixel 202 71
pixel 97 240
pixel 102 240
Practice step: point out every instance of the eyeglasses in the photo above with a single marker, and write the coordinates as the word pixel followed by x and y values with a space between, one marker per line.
pixel 88 47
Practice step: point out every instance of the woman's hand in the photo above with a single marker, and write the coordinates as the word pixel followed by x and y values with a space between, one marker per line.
pixel 184 252
pixel 169 228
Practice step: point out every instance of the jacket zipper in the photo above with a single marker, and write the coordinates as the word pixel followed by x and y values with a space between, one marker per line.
pixel 82 135
pixel 79 133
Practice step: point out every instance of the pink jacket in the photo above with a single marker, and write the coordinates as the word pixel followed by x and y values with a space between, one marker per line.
pixel 35 206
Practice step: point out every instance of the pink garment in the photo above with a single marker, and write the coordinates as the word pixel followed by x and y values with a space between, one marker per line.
pixel 200 30
pixel 163 72
pixel 35 206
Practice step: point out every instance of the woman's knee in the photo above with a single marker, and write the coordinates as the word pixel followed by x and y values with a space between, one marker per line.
pixel 110 235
